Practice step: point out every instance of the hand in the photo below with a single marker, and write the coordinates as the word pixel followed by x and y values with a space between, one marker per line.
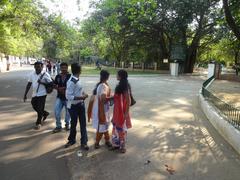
pixel 85 96
pixel 61 91
pixel 24 98
pixel 61 88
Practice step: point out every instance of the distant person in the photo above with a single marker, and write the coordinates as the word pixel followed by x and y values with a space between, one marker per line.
pixel 61 101
pixel 76 107
pixel 8 63
pixel 58 67
pixel 37 80
pixel 98 65
pixel 101 110
pixel 49 67
pixel 54 68
pixel 121 118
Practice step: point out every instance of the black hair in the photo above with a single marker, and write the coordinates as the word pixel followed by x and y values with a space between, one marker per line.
pixel 76 68
pixel 104 75
pixel 123 84
pixel 38 62
pixel 63 64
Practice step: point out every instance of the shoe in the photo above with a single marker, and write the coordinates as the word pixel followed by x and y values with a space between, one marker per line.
pixel 123 150
pixel 56 130
pixel 37 127
pixel 85 147
pixel 113 148
pixel 69 143
pixel 67 128
pixel 96 146
pixel 45 116
pixel 108 144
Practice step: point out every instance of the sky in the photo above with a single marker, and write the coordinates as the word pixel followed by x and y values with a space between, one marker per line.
pixel 69 8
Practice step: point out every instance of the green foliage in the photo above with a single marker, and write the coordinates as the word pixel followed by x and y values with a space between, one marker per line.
pixel 123 30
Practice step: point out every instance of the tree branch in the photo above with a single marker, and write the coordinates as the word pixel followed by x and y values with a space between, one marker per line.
pixel 230 20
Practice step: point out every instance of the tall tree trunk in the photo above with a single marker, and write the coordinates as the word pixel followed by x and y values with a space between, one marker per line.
pixel 230 20
pixel 191 54
pixel 191 58
pixel 236 61
pixel 163 46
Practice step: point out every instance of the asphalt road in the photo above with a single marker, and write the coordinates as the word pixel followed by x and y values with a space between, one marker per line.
pixel 26 153
pixel 169 129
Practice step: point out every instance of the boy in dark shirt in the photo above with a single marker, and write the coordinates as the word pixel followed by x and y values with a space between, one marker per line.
pixel 61 101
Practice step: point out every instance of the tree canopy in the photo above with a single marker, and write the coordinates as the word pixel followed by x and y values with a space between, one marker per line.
pixel 188 31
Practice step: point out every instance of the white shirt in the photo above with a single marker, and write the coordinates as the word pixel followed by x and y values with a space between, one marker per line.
pixel 33 78
pixel 74 89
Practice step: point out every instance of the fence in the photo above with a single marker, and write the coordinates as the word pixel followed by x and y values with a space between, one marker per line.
pixel 232 113
pixel 148 66
pixel 142 66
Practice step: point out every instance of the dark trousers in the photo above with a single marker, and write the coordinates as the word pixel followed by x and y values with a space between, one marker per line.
pixel 77 111
pixel 38 104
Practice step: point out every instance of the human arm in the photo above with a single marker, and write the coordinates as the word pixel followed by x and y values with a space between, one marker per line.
pixel 57 85
pixel 70 93
pixel 83 97
pixel 29 84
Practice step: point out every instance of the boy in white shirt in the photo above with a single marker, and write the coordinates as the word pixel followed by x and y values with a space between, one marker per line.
pixel 38 79
pixel 76 107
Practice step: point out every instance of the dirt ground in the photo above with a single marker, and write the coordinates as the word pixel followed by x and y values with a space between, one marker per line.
pixel 171 138
pixel 228 91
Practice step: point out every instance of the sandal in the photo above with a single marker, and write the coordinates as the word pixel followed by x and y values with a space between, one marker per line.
pixel 113 148
pixel 108 144
pixel 96 145
pixel 123 150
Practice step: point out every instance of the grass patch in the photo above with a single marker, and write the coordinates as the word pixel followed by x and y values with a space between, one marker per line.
pixel 87 70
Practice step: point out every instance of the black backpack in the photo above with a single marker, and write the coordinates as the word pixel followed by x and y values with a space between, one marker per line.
pixel 48 86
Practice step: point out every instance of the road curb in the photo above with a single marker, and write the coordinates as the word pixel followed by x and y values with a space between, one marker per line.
pixel 225 129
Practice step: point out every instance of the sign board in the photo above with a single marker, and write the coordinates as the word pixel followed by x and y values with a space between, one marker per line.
pixel 165 60
pixel 178 52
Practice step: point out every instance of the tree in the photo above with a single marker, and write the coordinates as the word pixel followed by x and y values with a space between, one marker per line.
pixel 231 7
pixel 159 29
pixel 19 27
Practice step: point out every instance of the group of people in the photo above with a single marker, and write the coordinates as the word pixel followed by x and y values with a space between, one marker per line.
pixel 52 68
pixel 71 95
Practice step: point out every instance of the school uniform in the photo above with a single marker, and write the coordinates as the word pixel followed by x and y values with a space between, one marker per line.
pixel 76 110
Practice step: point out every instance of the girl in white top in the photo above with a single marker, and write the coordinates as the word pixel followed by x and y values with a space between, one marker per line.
pixel 101 109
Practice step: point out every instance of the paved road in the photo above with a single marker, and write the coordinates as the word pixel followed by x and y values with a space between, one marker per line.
pixel 168 129
pixel 26 154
